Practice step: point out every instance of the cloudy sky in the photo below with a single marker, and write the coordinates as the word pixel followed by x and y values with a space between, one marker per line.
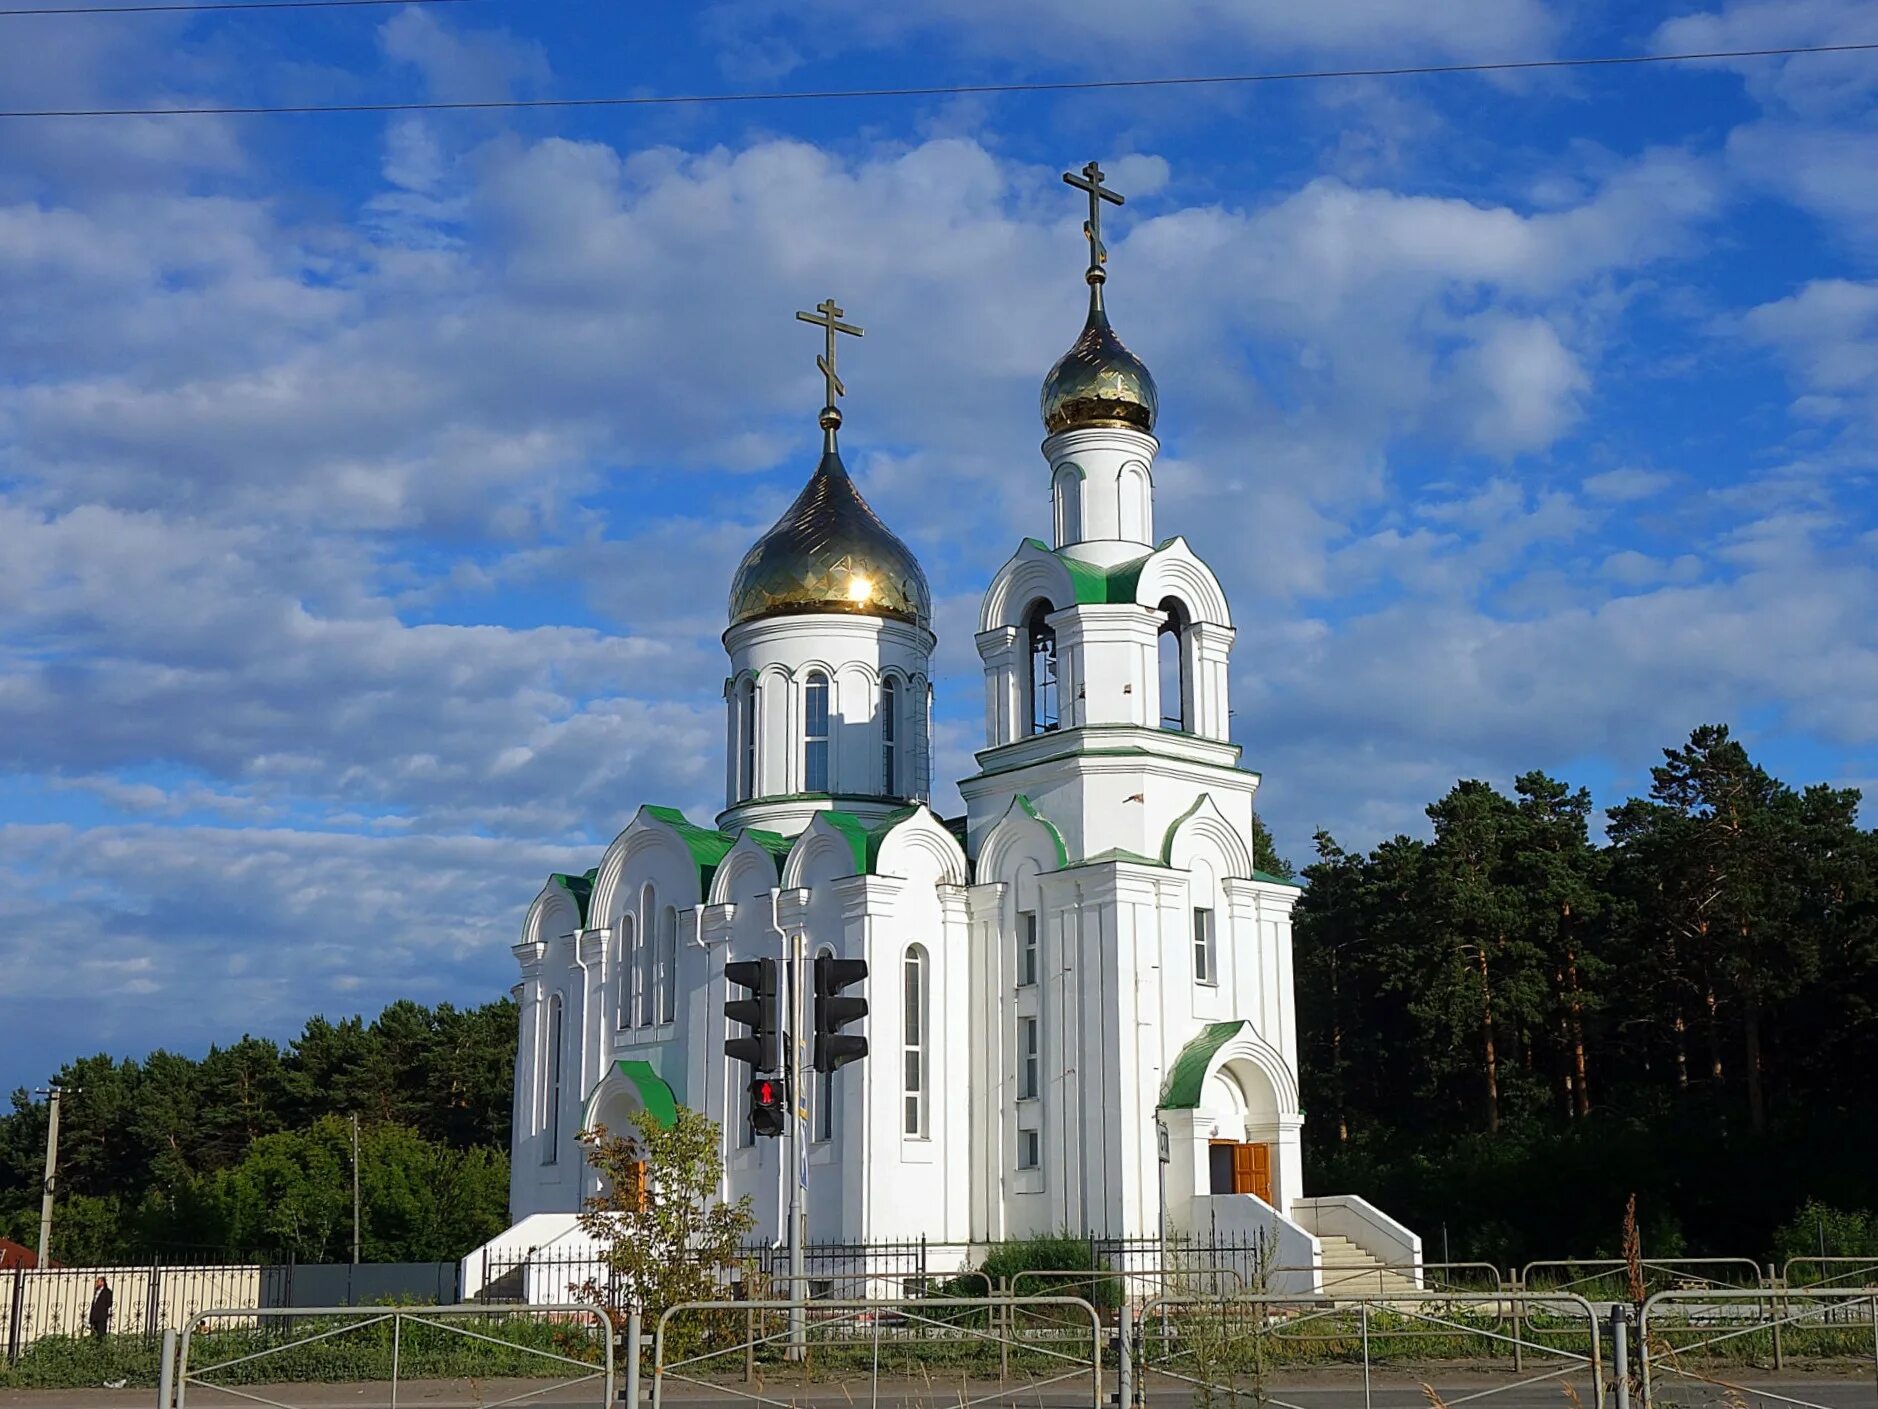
pixel 370 484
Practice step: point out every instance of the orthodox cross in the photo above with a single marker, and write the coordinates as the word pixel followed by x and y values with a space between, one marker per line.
pixel 828 315
pixel 1091 181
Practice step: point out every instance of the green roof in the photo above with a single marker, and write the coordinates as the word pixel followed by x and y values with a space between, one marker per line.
pixel 657 1097
pixel 1270 879
pixel 865 840
pixel 707 845
pixel 1188 1074
pixel 1117 853
pixel 579 887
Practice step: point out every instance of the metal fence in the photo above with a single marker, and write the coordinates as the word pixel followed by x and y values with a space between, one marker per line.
pixel 41 1302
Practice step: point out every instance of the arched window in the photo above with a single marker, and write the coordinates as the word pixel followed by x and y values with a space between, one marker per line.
pixel 642 956
pixel 1172 644
pixel 1068 505
pixel 914 1058
pixel 667 974
pixel 746 740
pixel 889 735
pixel 1040 641
pixel 551 1115
pixel 815 734
pixel 628 942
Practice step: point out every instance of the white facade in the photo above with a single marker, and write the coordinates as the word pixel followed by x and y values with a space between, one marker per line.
pixel 1089 953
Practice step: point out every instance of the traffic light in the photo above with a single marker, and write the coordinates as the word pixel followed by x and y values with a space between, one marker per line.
pixel 761 1048
pixel 834 1011
pixel 769 1105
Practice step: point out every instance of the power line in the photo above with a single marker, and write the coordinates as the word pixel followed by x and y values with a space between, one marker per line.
pixel 231 5
pixel 937 91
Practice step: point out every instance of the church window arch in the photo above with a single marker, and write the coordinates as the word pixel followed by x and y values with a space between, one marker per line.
pixel 667 966
pixel 642 956
pixel 551 1113
pixel 1172 650
pixel 915 1065
pixel 1133 496
pixel 815 733
pixel 746 739
pixel 1068 504
pixel 626 954
pixel 1040 650
pixel 889 736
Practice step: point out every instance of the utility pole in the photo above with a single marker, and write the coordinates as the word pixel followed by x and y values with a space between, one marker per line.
pixel 798 1150
pixel 52 1094
pixel 355 1188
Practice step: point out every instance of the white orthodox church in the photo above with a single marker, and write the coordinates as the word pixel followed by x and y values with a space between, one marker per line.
pixel 1081 990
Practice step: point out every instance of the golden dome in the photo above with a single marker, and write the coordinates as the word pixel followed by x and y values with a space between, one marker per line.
pixel 830 552
pixel 1099 382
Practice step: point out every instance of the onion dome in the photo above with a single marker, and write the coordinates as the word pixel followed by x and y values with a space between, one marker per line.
pixel 830 552
pixel 1099 382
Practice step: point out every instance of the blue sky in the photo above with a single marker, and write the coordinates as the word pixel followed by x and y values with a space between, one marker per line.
pixel 370 485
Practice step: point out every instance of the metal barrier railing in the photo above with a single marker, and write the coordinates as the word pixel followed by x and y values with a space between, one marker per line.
pixel 354 1319
pixel 1429 1314
pixel 1704 1271
pixel 1854 1271
pixel 1711 1318
pixel 922 1312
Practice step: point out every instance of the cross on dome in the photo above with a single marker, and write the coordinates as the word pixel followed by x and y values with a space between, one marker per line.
pixel 1091 181
pixel 828 315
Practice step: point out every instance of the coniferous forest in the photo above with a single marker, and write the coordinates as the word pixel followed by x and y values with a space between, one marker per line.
pixel 1509 1029
pixel 1506 1031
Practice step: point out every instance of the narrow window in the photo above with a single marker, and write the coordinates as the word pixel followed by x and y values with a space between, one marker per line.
pixel 1029 1149
pixel 815 734
pixel 668 966
pixel 647 936
pixel 746 741
pixel 1044 718
pixel 1026 948
pixel 889 727
pixel 1172 660
pixel 914 1056
pixel 1205 967
pixel 625 966
pixel 1029 1060
pixel 551 1149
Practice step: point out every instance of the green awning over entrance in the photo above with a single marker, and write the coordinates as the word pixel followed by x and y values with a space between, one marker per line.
pixel 1182 1092
pixel 654 1094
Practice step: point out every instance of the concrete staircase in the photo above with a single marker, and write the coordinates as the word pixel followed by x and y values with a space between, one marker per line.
pixel 1348 1271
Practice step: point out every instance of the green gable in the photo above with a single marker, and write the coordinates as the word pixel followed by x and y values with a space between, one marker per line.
pixel 1188 1074
pixel 580 888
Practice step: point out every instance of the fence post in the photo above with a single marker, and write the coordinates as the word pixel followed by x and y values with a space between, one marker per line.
pixel 166 1373
pixel 1519 1358
pixel 13 1320
pixel 1779 1345
pixel 1124 1359
pixel 1366 1404
pixel 397 1340
pixel 634 1330
pixel 152 1302
pixel 1620 1353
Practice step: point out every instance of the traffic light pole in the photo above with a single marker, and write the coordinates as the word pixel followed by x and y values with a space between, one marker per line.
pixel 798 1148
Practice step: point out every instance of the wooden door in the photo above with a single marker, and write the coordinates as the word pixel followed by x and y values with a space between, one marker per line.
pixel 1252 1170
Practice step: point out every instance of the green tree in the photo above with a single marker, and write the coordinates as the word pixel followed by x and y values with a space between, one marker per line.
pixel 666 1233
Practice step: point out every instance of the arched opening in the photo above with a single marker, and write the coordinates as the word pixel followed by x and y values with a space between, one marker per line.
pixel 551 1114
pixel 1040 650
pixel 1171 655
pixel 642 956
pixel 667 1008
pixel 746 740
pixel 913 1061
pixel 1068 487
pixel 1243 1109
pixel 623 967
pixel 889 736
pixel 815 733
pixel 1132 499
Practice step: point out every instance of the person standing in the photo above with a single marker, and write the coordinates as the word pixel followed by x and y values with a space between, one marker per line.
pixel 100 1309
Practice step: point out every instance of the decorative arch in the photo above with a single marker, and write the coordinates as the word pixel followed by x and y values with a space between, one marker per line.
pixel 1134 500
pixel 1234 1047
pixel 1066 487
pixel 1033 572
pixel 1021 831
pixel 552 915
pixel 821 843
pixel 921 846
pixel 748 865
pixel 1204 829
pixel 645 833
pixel 1174 570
